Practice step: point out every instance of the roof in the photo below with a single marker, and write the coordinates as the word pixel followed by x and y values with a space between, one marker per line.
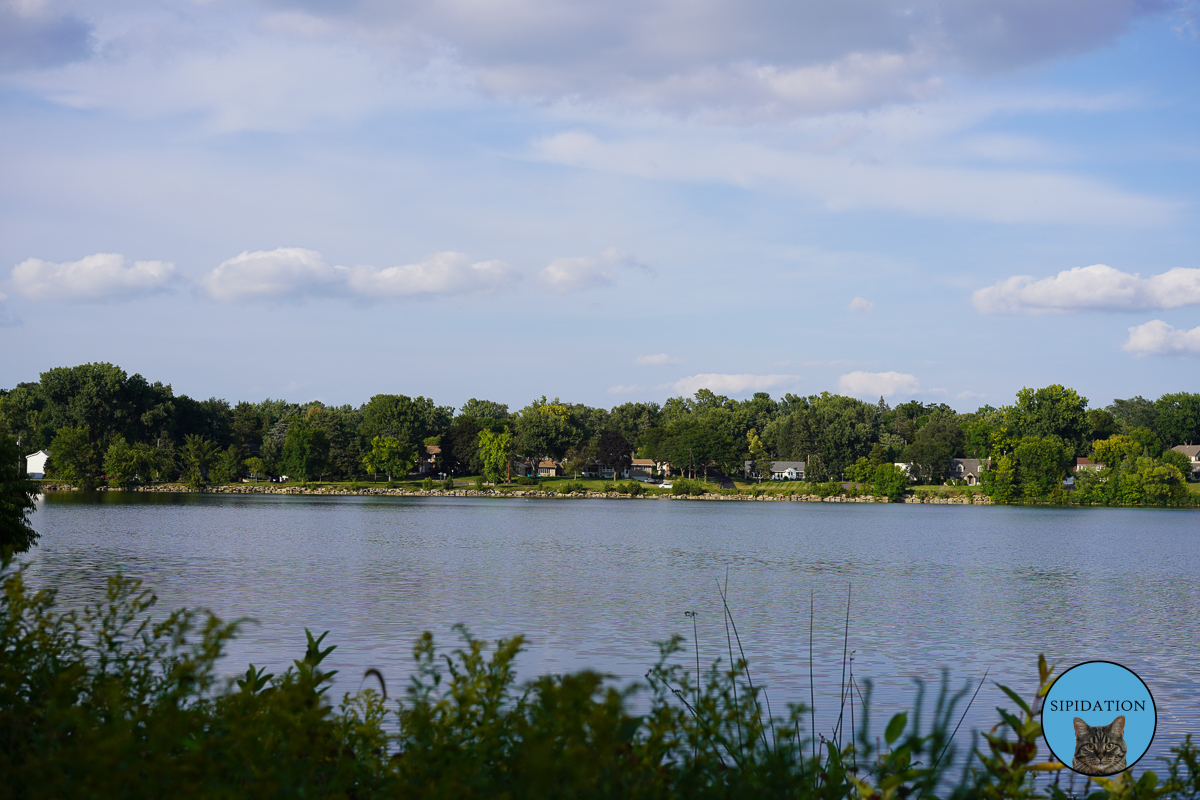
pixel 969 465
pixel 547 463
pixel 1087 462
pixel 433 450
pixel 1189 450
pixel 642 462
pixel 780 466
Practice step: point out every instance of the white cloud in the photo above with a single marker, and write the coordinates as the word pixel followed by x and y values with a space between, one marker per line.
pixel 284 273
pixel 623 389
pixel 878 384
pixel 656 360
pixel 731 384
pixel 441 273
pixel 842 183
pixel 1157 338
pixel 577 273
pixel 861 306
pixel 1098 287
pixel 969 395
pixel 96 278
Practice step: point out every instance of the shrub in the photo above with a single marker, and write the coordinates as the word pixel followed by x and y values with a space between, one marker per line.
pixel 427 485
pixel 448 484
pixel 479 482
pixel 525 480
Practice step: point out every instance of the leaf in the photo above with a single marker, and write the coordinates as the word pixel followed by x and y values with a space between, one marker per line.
pixel 896 727
pixel 1048 766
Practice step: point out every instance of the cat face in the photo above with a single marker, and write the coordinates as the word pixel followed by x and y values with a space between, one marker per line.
pixel 1100 749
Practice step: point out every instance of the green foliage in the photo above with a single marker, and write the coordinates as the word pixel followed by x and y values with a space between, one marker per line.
pixel 1054 411
pixel 427 485
pixel 254 465
pixel 116 701
pixel 479 483
pixel 1135 480
pixel 231 464
pixel 683 486
pixel 122 462
pixel 17 501
pixel 525 480
pixel 388 454
pixel 198 455
pixel 495 450
pixel 761 462
pixel 448 484
pixel 1042 463
pixel 306 451
pixel 890 481
pixel 71 456
pixel 1178 460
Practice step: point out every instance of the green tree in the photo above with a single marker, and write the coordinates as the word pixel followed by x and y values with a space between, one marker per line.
pixel 71 456
pixel 890 481
pixel 410 420
pixel 1042 462
pixel 306 452
pixel 614 450
pixel 1177 418
pixel 495 450
pixel 761 461
pixel 17 499
pixel 1053 411
pixel 1102 424
pixel 231 463
pixel 1115 449
pixel 389 455
pixel 122 462
pixel 198 455
pixel 1134 412
pixel 484 409
pixel 254 465
pixel 1178 460
pixel 1000 481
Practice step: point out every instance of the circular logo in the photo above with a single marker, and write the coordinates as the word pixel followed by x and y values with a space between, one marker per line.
pixel 1098 718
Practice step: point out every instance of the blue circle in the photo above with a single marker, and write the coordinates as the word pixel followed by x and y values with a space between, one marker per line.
pixel 1098 692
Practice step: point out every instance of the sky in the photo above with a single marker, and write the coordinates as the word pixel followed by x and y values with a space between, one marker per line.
pixel 603 201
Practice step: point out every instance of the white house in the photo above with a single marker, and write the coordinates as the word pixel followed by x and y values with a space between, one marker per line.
pixel 35 464
pixel 1192 451
pixel 780 470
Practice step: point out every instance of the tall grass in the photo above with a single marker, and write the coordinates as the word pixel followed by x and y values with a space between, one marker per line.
pixel 109 702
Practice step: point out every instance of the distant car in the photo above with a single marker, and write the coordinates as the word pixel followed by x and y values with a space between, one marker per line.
pixel 665 485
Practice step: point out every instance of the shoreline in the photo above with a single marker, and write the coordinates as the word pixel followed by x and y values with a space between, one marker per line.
pixel 173 488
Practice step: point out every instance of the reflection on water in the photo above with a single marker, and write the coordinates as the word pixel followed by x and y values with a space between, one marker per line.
pixel 594 583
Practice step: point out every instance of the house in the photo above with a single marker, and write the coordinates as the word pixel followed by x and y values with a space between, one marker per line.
pixel 780 470
pixel 549 469
pixel 640 469
pixel 1192 451
pixel 965 470
pixel 428 461
pixel 1087 463
pixel 908 470
pixel 35 464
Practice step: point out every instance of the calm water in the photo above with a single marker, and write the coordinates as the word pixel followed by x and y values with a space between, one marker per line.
pixel 594 583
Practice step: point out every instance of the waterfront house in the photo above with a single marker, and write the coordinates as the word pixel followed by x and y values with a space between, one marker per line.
pixel 549 469
pixel 35 464
pixel 1087 463
pixel 780 470
pixel 640 469
pixel 1192 451
pixel 965 470
pixel 428 461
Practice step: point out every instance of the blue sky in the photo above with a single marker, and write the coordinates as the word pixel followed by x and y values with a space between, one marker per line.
pixel 603 201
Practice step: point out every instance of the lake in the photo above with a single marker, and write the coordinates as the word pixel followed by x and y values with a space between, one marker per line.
pixel 594 583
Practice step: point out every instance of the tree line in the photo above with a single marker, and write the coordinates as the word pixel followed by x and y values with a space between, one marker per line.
pixel 98 422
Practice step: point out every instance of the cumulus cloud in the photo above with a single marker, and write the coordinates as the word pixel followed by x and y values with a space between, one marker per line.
pixel 97 278
pixel 861 306
pixel 968 395
pixel 290 273
pixel 878 384
pixel 286 273
pixel 656 360
pixel 1098 287
pixel 731 384
pixel 578 273
pixel 1157 338
pixel 441 273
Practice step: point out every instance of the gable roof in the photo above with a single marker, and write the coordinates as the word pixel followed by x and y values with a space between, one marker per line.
pixel 1192 451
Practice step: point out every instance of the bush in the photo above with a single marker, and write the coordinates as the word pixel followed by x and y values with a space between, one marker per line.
pixel 448 484
pixel 115 702
pixel 354 486
pixel 479 483
pixel 525 480
pixel 684 486
pixel 427 485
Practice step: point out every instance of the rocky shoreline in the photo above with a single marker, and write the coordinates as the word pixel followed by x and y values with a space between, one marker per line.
pixel 178 488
